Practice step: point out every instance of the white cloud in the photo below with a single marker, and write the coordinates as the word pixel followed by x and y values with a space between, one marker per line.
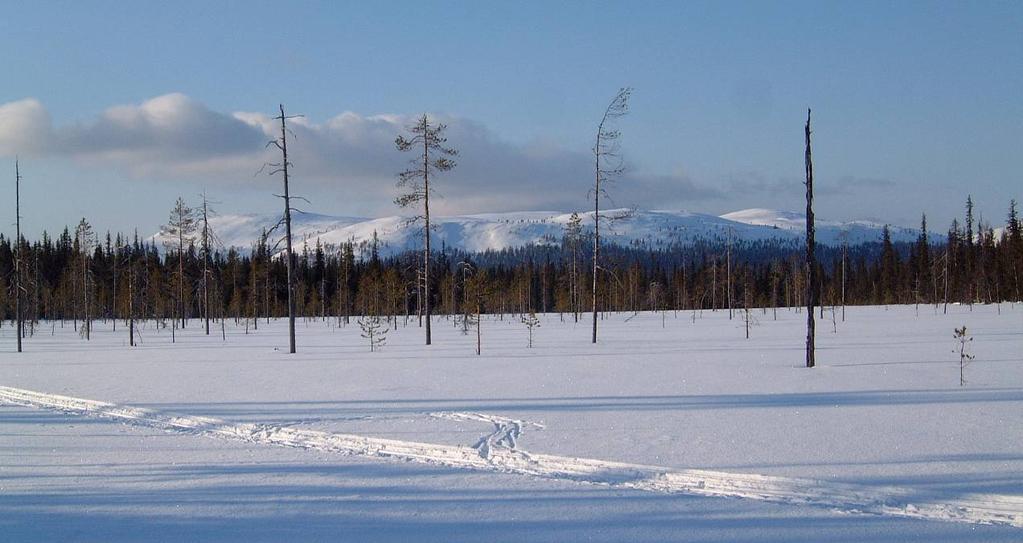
pixel 25 127
pixel 173 136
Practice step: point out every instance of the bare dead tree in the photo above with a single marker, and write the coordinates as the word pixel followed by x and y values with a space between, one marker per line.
pixel 606 149
pixel 20 327
pixel 131 296
pixel 845 257
pixel 811 262
pixel 416 180
pixel 86 241
pixel 728 273
pixel 208 239
pixel 275 168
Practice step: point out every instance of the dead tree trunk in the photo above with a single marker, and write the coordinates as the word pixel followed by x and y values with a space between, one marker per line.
pixel 205 263
pixel 811 262
pixel 606 147
pixel 131 303
pixel 19 329
pixel 728 273
pixel 282 144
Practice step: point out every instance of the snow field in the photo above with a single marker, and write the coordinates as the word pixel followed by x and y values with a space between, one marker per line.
pixel 882 426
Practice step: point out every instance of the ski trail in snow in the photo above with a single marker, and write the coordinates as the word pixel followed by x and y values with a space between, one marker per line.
pixel 883 500
pixel 505 435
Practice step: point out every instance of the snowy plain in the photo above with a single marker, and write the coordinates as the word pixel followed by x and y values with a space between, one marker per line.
pixel 879 432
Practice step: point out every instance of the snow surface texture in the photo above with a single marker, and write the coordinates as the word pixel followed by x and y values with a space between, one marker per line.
pixel 496 231
pixel 880 427
pixel 501 455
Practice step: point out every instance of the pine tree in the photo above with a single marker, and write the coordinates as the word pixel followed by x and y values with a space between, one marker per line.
pixel 531 321
pixel 373 329
pixel 181 226
pixel 572 244
pixel 429 138
pixel 605 149
pixel 86 239
pixel 923 255
pixel 889 268
pixel 1014 248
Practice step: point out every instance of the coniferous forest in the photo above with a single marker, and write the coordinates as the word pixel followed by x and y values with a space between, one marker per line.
pixel 78 277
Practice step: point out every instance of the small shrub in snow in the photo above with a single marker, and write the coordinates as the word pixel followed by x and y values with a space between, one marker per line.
pixel 374 330
pixel 531 321
pixel 964 357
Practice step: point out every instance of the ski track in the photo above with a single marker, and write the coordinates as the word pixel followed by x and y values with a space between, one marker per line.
pixel 505 435
pixel 850 498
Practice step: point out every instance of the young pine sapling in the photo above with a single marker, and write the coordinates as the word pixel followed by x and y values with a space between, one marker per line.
pixel 531 321
pixel 373 329
pixel 965 358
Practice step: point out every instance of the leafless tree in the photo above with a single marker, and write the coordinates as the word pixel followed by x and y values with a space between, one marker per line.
pixel 811 262
pixel 845 256
pixel 728 274
pixel 281 143
pixel 208 239
pixel 428 137
pixel 86 241
pixel 20 328
pixel 608 167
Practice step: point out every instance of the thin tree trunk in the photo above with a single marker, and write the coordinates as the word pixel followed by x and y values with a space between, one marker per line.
pixel 287 233
pixel 811 262
pixel 181 277
pixel 19 331
pixel 131 304
pixel 596 236
pixel 205 264
pixel 728 274
pixel 426 252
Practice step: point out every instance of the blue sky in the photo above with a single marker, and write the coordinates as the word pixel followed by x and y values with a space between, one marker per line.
pixel 915 104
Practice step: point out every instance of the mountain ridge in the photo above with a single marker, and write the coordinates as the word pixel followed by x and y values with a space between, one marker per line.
pixel 497 231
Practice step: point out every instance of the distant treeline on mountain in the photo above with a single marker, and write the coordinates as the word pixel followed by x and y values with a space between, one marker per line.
pixel 77 277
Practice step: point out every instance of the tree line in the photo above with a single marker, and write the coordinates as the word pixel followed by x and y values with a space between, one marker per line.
pixel 76 278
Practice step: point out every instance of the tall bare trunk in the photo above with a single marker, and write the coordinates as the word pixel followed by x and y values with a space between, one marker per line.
pixel 596 241
pixel 20 327
pixel 426 252
pixel 287 233
pixel 811 262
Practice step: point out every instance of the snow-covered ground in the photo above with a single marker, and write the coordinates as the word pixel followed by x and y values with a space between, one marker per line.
pixel 633 439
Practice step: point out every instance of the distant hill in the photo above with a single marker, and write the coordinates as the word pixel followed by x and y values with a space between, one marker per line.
pixel 496 231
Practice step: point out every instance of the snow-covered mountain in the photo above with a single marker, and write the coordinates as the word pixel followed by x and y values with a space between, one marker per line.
pixel 496 231
pixel 827 232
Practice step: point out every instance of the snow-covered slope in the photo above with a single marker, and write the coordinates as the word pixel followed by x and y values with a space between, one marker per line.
pixel 827 232
pixel 496 231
